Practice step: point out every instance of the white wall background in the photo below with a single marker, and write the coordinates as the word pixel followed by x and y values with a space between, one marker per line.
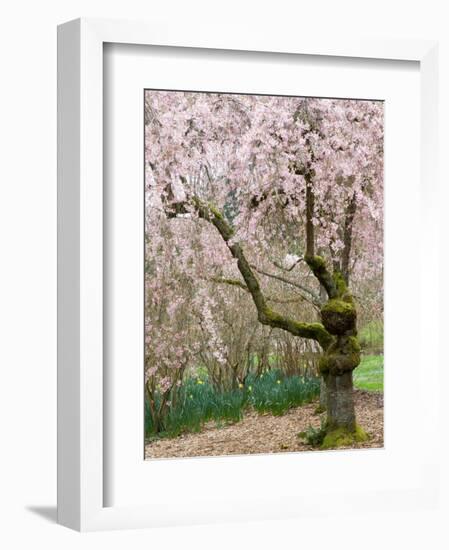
pixel 28 268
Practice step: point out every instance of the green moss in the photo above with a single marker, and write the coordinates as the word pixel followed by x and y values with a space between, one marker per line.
pixel 315 262
pixel 315 331
pixel 353 345
pixel 318 266
pixel 342 355
pixel 342 437
pixel 340 283
pixel 339 316
pixel 324 364
pixel 215 211
pixel 338 305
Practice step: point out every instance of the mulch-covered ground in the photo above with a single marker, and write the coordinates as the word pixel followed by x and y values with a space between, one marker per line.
pixel 268 434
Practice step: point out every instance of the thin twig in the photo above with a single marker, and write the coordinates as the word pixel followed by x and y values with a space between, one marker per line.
pixel 315 299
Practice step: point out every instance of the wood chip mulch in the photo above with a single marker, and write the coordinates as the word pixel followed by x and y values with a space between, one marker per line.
pixel 263 434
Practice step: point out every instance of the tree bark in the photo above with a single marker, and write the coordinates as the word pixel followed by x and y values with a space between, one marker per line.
pixel 338 362
pixel 340 402
pixel 323 395
pixel 347 237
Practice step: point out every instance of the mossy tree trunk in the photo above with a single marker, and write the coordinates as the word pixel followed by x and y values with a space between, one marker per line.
pixel 336 367
pixel 339 318
pixel 342 356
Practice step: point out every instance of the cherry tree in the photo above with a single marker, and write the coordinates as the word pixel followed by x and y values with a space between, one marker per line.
pixel 257 190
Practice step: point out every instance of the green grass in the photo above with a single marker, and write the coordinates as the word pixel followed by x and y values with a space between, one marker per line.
pixel 369 375
pixel 199 402
pixel 371 336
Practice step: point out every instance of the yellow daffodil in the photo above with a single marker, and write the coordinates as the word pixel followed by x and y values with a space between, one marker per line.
pixel 250 388
pixel 278 381
pixel 240 385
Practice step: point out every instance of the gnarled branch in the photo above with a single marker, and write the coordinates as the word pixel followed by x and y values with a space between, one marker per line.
pixel 266 315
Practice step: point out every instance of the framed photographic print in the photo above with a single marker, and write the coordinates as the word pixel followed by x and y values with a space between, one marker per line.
pixel 259 209
pixel 235 218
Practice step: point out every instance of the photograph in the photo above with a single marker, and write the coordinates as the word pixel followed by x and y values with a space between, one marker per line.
pixel 263 274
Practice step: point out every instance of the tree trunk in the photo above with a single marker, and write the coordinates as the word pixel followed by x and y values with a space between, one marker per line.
pixel 340 402
pixel 339 317
pixel 323 395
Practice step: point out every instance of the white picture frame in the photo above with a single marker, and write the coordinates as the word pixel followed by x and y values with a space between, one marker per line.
pixel 81 475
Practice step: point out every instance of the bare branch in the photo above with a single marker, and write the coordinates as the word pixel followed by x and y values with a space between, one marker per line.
pixel 235 282
pixel 283 268
pixel 315 298
pixel 232 282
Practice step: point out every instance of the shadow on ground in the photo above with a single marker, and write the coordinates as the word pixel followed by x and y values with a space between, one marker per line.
pixel 47 512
